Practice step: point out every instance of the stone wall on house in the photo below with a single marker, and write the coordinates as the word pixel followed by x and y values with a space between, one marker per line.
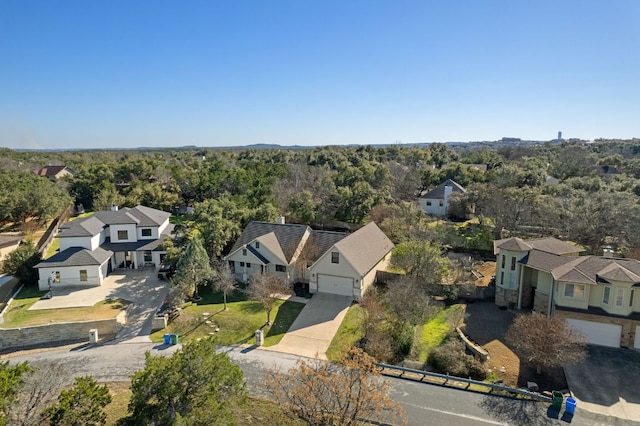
pixel 27 337
pixel 628 325
pixel 506 297
pixel 541 303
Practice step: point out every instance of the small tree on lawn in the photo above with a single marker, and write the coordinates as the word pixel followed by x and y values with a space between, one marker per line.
pixel 265 288
pixel 192 268
pixel 196 386
pixel 545 342
pixel 20 263
pixel 83 404
pixel 224 281
pixel 322 393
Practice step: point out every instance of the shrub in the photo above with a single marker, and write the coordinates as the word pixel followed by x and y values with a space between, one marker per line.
pixel 451 358
pixel 402 334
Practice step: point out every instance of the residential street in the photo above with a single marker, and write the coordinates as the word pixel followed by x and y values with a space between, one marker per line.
pixel 424 404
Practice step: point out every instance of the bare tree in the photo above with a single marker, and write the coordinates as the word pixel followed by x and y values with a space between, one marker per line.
pixel 322 393
pixel 265 288
pixel 223 281
pixel 545 342
pixel 407 300
pixel 39 390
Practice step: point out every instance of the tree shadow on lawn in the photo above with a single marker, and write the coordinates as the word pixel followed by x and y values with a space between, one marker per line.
pixel 210 297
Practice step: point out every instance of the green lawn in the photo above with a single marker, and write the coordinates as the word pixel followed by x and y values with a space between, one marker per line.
pixel 351 330
pixel 18 314
pixel 433 332
pixel 236 325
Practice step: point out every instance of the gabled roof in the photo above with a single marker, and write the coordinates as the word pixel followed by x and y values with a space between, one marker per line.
pixel 52 171
pixel 288 236
pixel 547 244
pixel 365 248
pixel 584 269
pixel 319 242
pixel 437 193
pixel 93 225
pixel 76 256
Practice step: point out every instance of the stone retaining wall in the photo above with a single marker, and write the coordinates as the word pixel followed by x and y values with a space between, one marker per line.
pixel 26 337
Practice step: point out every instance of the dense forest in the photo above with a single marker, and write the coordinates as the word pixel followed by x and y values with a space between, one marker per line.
pixel 593 199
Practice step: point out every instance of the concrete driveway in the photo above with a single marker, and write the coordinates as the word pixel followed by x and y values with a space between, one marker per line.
pixel 607 382
pixel 311 333
pixel 141 287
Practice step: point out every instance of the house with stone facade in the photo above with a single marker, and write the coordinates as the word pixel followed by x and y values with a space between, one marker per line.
pixel 92 247
pixel 595 294
pixel 323 261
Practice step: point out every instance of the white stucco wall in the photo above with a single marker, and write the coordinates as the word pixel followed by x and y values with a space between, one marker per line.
pixel 131 230
pixel 572 302
pixel 435 208
pixel 67 242
pixel 70 276
pixel 154 233
pixel 324 266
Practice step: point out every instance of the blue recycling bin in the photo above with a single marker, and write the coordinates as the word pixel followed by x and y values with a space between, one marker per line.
pixel 570 405
pixel 167 339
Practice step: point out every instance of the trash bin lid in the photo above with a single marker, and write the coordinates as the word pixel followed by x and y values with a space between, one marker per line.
pixel 571 400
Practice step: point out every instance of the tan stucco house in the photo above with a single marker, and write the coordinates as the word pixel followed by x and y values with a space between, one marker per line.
pixel 93 247
pixel 328 262
pixel 595 294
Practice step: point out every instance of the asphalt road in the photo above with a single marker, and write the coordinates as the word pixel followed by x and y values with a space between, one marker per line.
pixel 424 404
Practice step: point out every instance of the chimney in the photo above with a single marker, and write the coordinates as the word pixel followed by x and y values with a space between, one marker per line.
pixel 114 208
pixel 607 252
pixel 280 220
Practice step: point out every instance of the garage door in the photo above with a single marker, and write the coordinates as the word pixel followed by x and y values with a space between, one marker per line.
pixel 597 333
pixel 335 285
pixel 636 343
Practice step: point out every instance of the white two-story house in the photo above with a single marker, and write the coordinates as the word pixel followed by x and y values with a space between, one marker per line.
pixel 92 247
pixel 595 294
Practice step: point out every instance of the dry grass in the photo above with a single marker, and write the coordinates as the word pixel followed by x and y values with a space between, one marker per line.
pixel 18 314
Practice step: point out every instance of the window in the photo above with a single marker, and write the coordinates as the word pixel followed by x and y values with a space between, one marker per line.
pixel 281 268
pixel 83 275
pixel 441 203
pixel 232 266
pixel 575 291
pixel 57 277
pixel 606 295
pixel 146 232
pixel 242 264
pixel 147 256
pixel 504 260
pixel 257 244
pixel 248 265
pixel 244 252
pixel 123 235
pixel 619 297
pixel 335 257
pixel 631 298
pixel 513 263
pixel 428 203
pixel 502 279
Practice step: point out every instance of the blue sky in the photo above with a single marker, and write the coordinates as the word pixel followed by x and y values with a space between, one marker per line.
pixel 91 74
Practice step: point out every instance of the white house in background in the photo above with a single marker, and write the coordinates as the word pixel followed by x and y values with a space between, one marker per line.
pixel 92 247
pixel 596 295
pixel 436 201
pixel 328 262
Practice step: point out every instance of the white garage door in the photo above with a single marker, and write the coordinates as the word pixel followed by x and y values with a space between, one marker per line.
pixel 335 285
pixel 598 333
pixel 636 343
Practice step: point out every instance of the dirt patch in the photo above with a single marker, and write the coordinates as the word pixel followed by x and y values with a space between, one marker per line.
pixel 486 270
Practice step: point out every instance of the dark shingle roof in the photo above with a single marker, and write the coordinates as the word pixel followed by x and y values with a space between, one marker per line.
pixel 7 240
pixel 84 227
pixel 437 193
pixel 289 236
pixel 93 225
pixel 319 242
pixel 76 256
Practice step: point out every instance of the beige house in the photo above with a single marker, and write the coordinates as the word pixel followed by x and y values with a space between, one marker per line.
pixel 595 294
pixel 55 172
pixel 323 261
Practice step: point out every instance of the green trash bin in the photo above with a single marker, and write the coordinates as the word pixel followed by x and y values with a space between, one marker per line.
pixel 557 399
pixel 174 339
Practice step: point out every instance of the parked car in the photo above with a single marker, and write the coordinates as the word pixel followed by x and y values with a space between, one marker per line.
pixel 166 271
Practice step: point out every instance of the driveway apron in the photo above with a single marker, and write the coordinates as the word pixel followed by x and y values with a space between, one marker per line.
pixel 311 333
